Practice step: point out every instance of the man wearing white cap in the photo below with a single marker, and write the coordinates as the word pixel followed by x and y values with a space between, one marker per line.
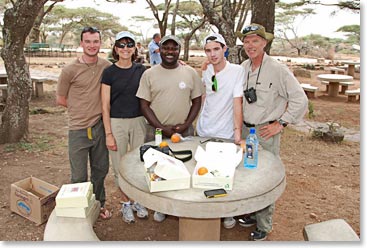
pixel 221 114
pixel 273 98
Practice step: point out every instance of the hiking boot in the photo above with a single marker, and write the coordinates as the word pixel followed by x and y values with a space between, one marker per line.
pixel 141 211
pixel 159 217
pixel 127 213
pixel 258 235
pixel 246 221
pixel 229 222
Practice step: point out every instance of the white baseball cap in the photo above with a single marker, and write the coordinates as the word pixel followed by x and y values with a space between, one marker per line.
pixel 125 34
pixel 214 37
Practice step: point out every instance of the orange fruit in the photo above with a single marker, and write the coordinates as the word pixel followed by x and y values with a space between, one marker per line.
pixel 175 138
pixel 243 146
pixel 202 171
pixel 163 144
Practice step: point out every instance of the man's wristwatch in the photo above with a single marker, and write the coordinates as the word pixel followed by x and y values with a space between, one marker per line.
pixel 283 123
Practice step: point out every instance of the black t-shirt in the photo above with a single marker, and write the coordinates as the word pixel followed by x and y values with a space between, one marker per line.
pixel 124 85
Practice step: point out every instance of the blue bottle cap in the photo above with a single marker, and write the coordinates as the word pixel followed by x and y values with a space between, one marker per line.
pixel 252 130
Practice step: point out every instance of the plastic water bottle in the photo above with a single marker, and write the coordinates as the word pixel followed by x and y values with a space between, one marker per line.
pixel 251 153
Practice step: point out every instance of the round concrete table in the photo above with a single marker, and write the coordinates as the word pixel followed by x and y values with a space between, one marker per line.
pixel 351 67
pixel 199 217
pixel 334 80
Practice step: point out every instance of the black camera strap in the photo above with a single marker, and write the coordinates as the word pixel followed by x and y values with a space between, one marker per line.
pixel 177 154
pixel 258 74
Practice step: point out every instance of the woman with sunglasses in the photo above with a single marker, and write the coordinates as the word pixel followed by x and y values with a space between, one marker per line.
pixel 124 123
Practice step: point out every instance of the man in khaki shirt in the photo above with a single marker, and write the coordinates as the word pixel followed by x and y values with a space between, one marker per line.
pixel 272 98
pixel 170 96
pixel 79 90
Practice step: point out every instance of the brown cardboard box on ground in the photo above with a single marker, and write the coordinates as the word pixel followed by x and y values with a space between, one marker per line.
pixel 33 199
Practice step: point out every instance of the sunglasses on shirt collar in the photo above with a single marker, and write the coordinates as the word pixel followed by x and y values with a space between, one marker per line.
pixel 215 84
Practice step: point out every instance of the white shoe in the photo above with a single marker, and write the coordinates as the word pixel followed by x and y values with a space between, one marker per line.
pixel 127 213
pixel 159 217
pixel 141 211
pixel 229 222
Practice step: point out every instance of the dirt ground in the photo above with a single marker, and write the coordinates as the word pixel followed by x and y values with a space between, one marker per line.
pixel 323 179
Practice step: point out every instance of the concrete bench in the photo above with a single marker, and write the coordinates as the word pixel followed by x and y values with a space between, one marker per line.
pixel 353 94
pixel 326 83
pixel 337 70
pixel 331 230
pixel 4 92
pixel 72 229
pixel 37 85
pixel 309 90
pixel 345 86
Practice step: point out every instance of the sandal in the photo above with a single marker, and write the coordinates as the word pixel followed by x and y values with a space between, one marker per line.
pixel 105 214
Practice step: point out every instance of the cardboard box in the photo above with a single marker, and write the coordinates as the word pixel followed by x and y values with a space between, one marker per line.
pixel 74 195
pixel 221 160
pixel 33 199
pixel 163 172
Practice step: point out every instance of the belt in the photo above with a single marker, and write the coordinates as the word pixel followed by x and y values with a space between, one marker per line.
pixel 254 125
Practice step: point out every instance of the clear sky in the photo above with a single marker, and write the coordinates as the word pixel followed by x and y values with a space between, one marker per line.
pixel 321 23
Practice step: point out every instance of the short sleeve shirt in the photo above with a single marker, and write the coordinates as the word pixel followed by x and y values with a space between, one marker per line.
pixel 80 84
pixel 170 92
pixel 124 83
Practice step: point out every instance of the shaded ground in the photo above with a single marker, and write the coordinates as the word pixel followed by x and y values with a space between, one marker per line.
pixel 323 179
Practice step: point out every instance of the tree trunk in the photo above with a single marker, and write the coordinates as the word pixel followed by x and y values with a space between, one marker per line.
pixel 263 13
pixel 188 36
pixel 173 24
pixel 18 22
pixel 162 23
pixel 34 36
pixel 186 47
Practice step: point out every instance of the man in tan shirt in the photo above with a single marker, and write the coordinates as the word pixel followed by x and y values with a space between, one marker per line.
pixel 170 96
pixel 79 90
pixel 272 98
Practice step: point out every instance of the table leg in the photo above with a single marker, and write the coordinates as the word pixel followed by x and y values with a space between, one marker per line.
pixel 351 70
pixel 191 229
pixel 39 89
pixel 344 88
pixel 333 89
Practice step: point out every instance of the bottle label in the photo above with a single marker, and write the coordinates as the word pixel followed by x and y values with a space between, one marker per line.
pixel 158 136
pixel 249 151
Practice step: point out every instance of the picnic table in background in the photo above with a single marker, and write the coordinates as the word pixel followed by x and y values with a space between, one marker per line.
pixel 351 67
pixel 334 81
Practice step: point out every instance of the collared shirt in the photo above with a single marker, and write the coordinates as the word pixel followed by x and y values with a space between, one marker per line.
pixel 279 94
pixel 155 58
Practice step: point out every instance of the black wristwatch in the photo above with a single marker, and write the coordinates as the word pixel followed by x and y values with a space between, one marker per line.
pixel 283 123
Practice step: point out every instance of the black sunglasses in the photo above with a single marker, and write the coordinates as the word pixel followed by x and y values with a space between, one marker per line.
pixel 215 84
pixel 249 29
pixel 123 45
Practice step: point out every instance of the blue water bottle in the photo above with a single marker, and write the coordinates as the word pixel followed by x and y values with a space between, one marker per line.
pixel 251 153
